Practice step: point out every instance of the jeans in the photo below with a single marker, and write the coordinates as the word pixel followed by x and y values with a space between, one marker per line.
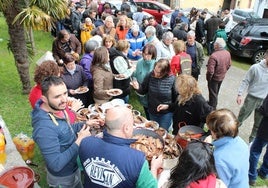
pixel 213 90
pixel 251 103
pixel 71 181
pixel 255 152
pixel 126 99
pixel 164 120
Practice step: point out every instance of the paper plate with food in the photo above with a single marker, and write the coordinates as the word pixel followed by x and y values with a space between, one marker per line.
pixel 119 77
pixel 81 90
pixel 114 92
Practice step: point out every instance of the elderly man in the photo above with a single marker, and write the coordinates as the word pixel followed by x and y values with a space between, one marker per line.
pixel 136 39
pixel 150 34
pixel 218 64
pixel 57 139
pixel 195 50
pixel 111 162
pixel 164 47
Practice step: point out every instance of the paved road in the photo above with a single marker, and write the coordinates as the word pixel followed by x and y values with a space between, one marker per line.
pixel 228 94
pixel 227 99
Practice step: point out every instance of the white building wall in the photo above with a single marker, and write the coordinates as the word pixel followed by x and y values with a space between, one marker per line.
pixel 259 6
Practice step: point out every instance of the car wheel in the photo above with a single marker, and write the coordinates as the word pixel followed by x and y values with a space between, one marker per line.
pixel 258 56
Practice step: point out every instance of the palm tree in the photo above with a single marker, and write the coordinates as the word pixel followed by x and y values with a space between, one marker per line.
pixel 22 15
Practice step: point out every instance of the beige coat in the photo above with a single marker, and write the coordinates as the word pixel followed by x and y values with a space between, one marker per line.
pixel 102 81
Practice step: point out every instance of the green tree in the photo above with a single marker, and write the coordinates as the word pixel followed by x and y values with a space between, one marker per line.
pixel 22 16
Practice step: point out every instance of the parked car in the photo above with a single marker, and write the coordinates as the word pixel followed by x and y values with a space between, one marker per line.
pixel 242 14
pixel 249 39
pixel 116 5
pixel 167 17
pixel 154 8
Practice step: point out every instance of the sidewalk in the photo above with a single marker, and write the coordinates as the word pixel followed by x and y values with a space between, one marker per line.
pixel 228 94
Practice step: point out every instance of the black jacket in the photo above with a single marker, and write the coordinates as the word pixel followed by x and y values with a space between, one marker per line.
pixel 124 85
pixel 159 90
pixel 193 112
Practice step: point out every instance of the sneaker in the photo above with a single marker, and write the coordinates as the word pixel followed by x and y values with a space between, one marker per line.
pixel 261 175
pixel 252 182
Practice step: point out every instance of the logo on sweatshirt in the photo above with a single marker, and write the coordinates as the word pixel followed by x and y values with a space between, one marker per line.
pixel 103 172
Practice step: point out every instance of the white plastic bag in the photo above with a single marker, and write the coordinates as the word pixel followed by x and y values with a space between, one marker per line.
pixel 47 56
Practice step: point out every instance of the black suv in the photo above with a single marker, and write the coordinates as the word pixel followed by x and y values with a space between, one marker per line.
pixel 249 38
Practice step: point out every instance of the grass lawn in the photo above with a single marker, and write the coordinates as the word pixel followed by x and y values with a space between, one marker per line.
pixel 15 108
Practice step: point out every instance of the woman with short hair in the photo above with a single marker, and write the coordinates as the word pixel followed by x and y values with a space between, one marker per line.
pixel 74 77
pixel 143 67
pixel 160 87
pixel 231 152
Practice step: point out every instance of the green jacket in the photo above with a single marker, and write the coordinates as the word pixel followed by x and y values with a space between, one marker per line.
pixel 220 33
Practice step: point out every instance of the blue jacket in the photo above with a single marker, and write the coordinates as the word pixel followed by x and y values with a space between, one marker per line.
pixel 232 161
pixel 110 162
pixel 56 140
pixel 135 43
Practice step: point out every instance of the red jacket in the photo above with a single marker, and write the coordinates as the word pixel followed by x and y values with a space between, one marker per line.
pixel 175 63
pixel 209 182
pixel 218 64
pixel 36 94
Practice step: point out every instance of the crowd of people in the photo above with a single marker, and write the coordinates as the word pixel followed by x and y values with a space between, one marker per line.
pixel 100 50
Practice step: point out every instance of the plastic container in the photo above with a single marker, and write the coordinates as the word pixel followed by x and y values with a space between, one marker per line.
pixel 3 154
pixel 24 145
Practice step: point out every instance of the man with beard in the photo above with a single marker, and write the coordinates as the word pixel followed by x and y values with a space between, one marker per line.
pixel 57 139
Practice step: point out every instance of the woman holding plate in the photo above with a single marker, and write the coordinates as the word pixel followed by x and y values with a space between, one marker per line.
pixel 121 68
pixel 160 87
pixel 75 79
pixel 102 76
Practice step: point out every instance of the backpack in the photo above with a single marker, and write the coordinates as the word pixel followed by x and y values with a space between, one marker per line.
pixel 186 64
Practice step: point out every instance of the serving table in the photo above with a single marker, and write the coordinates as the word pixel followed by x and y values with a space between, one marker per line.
pixel 13 158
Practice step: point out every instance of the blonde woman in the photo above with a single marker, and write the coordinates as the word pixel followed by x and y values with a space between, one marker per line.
pixel 179 49
pixel 108 41
pixel 190 108
pixel 122 27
